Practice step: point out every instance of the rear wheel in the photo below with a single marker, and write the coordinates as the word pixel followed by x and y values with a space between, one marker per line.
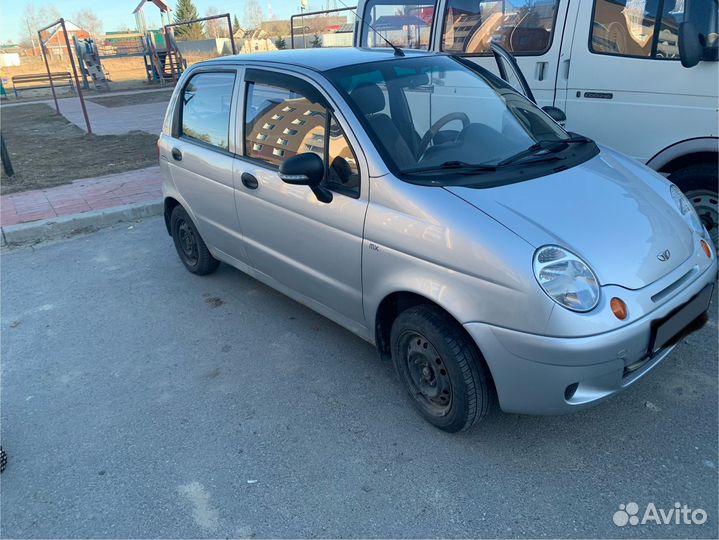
pixel 441 368
pixel 190 247
pixel 699 184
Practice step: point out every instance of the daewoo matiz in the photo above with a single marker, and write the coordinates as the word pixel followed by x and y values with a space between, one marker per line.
pixel 425 205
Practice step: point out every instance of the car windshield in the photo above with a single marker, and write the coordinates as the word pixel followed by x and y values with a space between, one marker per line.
pixel 437 114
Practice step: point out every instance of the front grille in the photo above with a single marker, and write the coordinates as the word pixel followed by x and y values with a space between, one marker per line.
pixel 674 286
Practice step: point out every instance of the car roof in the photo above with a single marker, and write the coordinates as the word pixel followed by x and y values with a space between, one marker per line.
pixel 318 59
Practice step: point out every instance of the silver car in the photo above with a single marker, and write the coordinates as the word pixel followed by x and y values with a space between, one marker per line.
pixel 423 204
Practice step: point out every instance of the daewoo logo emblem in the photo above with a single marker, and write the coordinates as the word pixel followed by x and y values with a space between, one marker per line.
pixel 664 255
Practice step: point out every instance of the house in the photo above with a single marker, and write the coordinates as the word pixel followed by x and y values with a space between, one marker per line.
pixel 55 44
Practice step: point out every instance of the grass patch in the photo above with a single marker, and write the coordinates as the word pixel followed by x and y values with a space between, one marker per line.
pixel 47 150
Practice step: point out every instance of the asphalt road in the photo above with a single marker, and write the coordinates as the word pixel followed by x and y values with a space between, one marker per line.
pixel 139 400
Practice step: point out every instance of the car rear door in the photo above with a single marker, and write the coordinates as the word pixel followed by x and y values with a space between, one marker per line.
pixel 201 156
pixel 310 249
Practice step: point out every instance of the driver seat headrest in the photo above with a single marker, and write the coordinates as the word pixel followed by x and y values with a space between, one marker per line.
pixel 369 98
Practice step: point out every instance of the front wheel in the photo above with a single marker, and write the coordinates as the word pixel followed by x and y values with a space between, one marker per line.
pixel 699 184
pixel 441 368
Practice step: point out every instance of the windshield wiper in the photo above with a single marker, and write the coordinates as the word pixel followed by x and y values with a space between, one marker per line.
pixel 454 166
pixel 549 146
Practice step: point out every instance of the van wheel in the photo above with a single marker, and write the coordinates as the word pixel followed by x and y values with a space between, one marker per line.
pixel 440 367
pixel 699 184
pixel 190 247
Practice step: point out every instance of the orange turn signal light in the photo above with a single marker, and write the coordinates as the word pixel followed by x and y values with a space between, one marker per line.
pixel 619 308
pixel 706 248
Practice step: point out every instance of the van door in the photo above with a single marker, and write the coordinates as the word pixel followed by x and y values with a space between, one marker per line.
pixel 311 249
pixel 626 85
pixel 201 156
pixel 529 29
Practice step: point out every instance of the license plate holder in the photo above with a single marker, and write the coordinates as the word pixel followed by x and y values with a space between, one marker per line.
pixel 673 325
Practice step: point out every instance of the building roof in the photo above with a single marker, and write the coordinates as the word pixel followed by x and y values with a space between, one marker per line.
pixel 69 26
pixel 320 59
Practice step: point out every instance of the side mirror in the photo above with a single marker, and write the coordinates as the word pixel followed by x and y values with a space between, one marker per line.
pixel 306 170
pixel 690 45
pixel 555 113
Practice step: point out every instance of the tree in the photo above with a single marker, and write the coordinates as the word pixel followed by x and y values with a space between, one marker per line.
pixel 236 24
pixel 280 43
pixel 184 12
pixel 253 15
pixel 88 20
pixel 216 28
pixel 316 41
pixel 34 19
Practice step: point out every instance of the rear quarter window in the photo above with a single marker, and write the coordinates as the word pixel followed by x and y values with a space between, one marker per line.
pixel 205 104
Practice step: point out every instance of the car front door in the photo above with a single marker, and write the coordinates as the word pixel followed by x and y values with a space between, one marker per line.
pixel 311 249
pixel 201 156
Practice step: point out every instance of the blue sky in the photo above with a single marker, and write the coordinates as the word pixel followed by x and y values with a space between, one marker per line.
pixel 117 14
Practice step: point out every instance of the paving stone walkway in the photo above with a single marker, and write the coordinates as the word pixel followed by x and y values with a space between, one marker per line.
pixel 81 196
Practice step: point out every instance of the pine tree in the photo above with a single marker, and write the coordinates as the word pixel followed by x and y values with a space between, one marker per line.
pixel 280 43
pixel 236 24
pixel 316 41
pixel 184 12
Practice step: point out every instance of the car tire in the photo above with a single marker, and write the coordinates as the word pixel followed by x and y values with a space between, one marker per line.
pixel 190 246
pixel 441 368
pixel 699 184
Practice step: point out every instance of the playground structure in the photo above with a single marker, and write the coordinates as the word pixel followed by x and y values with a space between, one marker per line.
pixel 42 36
pixel 159 49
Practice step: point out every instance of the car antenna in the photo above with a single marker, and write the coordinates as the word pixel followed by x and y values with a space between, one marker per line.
pixel 397 50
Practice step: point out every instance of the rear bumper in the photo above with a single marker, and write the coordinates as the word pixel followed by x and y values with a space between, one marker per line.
pixel 536 374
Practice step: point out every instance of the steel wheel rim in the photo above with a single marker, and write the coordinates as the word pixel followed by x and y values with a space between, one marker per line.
pixel 426 374
pixel 705 204
pixel 187 242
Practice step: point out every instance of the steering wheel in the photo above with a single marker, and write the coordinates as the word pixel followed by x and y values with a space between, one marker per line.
pixel 437 126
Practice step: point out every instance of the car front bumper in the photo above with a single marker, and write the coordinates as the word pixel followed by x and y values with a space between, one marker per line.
pixel 536 374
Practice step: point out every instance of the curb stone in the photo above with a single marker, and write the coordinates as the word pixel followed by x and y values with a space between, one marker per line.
pixel 58 227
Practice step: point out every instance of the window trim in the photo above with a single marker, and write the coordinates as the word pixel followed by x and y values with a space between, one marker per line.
pixel 180 106
pixel 655 38
pixel 330 113
pixel 489 52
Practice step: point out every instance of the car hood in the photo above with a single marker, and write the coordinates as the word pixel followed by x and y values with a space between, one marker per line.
pixel 617 215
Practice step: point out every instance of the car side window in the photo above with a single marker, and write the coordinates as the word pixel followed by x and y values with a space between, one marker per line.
pixel 205 114
pixel 647 28
pixel 281 123
pixel 523 27
pixel 343 173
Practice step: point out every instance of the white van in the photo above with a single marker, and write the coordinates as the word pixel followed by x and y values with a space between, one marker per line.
pixel 637 75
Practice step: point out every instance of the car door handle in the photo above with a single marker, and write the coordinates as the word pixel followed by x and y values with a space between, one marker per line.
pixel 539 70
pixel 249 181
pixel 176 154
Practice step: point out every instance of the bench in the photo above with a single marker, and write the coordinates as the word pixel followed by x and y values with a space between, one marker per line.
pixel 41 80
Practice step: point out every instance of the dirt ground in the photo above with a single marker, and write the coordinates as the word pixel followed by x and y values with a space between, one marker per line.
pixel 46 150
pixel 126 73
pixel 124 100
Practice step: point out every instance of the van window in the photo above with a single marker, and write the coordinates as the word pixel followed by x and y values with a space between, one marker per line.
pixel 205 112
pixel 281 123
pixel 523 27
pixel 648 28
pixel 405 23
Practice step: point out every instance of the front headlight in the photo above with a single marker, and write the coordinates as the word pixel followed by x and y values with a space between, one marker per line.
pixel 686 209
pixel 566 278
